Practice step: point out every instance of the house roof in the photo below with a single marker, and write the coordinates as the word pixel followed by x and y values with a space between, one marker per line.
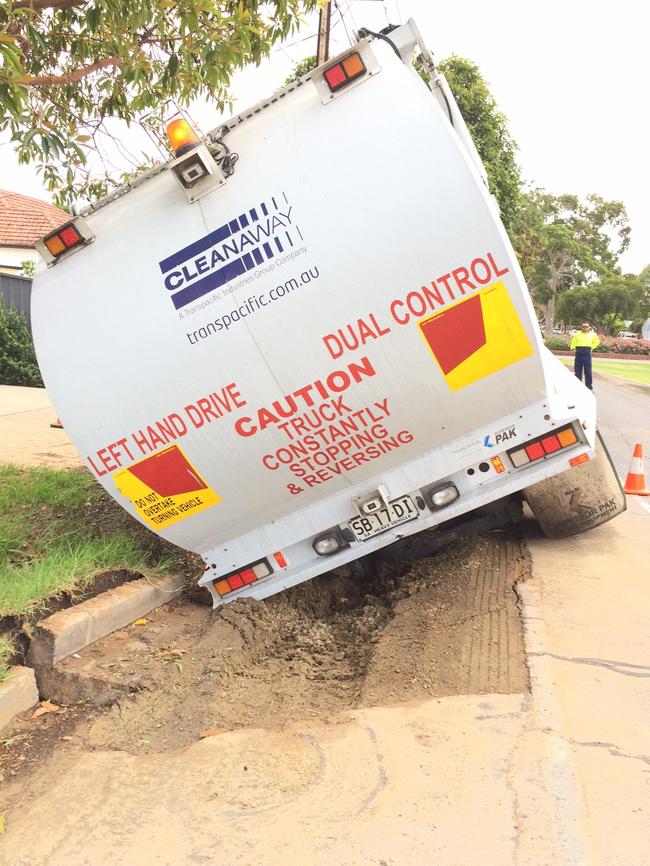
pixel 23 219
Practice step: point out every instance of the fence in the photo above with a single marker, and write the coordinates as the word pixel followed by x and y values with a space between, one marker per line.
pixel 16 292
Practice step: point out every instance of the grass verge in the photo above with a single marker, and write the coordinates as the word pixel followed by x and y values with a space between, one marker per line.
pixel 6 652
pixel 58 530
pixel 634 371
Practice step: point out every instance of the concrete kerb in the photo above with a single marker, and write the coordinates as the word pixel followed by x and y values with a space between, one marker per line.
pixel 559 777
pixel 70 630
pixel 18 693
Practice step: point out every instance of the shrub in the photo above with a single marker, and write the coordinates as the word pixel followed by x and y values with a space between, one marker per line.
pixel 607 344
pixel 623 347
pixel 557 342
pixel 18 365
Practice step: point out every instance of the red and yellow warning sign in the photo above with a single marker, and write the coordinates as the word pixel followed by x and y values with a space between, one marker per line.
pixel 165 488
pixel 476 337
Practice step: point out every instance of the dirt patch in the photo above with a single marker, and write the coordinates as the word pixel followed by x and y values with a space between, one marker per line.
pixel 31 742
pixel 386 633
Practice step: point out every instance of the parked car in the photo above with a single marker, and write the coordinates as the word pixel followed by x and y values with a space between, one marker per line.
pixel 627 335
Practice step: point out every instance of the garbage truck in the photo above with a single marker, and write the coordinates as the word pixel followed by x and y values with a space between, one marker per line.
pixel 306 335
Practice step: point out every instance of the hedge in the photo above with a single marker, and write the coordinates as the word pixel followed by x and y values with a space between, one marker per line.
pixel 607 344
pixel 18 365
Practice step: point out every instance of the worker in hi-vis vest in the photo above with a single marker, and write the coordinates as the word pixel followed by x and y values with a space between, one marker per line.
pixel 584 342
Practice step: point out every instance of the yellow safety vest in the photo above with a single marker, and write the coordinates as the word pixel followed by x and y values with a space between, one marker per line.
pixel 590 339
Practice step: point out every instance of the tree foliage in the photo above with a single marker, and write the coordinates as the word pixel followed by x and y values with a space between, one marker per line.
pixel 644 276
pixel 67 66
pixel 606 303
pixel 18 365
pixel 563 241
pixel 489 129
pixel 301 68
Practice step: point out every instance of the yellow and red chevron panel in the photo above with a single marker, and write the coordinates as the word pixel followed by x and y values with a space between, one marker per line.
pixel 476 337
pixel 165 488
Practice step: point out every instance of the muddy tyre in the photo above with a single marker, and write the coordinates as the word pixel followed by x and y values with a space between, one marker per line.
pixel 580 498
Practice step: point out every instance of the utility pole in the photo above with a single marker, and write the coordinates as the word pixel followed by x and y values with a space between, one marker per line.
pixel 324 23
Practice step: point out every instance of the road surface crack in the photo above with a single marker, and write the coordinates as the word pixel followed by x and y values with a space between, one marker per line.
pixel 614 750
pixel 626 669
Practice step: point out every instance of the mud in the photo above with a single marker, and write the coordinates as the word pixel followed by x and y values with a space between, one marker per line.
pixel 385 633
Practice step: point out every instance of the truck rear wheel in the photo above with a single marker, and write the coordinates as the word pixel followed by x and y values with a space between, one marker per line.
pixel 580 498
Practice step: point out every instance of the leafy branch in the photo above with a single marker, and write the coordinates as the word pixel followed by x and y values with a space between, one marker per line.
pixel 71 70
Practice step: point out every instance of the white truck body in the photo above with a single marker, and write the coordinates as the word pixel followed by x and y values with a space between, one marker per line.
pixel 341 324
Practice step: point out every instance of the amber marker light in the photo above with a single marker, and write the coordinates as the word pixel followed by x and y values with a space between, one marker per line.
pixel 181 136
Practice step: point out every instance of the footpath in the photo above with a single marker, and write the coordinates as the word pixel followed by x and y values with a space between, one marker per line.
pixel 25 433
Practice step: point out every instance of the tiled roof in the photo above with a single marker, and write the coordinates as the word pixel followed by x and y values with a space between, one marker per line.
pixel 23 220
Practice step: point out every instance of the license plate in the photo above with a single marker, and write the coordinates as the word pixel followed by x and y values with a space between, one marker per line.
pixel 399 511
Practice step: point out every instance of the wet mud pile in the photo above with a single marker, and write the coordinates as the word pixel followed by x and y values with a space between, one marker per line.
pixel 384 633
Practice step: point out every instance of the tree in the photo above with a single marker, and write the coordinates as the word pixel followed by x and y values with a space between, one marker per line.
pixel 607 303
pixel 28 267
pixel 644 307
pixel 562 241
pixel 489 129
pixel 68 66
pixel 18 365
pixel 301 68
pixel 644 276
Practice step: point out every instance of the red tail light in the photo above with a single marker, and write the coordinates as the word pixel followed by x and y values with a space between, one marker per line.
pixel 542 446
pixel 257 570
pixel 66 238
pixel 62 240
pixel 344 72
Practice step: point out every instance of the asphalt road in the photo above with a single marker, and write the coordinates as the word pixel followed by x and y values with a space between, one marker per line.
pixel 623 419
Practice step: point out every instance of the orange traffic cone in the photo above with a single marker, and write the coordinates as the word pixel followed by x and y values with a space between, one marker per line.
pixel 635 481
pixel 58 424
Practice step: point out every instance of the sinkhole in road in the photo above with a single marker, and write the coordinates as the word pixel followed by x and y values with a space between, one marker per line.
pixel 385 633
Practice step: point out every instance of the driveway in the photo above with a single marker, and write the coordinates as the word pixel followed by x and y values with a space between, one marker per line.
pixel 26 437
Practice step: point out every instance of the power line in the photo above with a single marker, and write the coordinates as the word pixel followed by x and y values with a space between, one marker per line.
pixel 338 9
pixel 304 39
pixel 352 19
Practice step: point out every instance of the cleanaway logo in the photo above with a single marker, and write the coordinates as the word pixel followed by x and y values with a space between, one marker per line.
pixel 243 244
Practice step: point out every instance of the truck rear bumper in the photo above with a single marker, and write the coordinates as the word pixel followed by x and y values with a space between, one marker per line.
pixel 302 562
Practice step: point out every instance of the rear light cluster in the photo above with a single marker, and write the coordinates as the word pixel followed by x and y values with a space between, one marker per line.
pixel 344 72
pixel 62 240
pixel 68 237
pixel 543 446
pixel 257 570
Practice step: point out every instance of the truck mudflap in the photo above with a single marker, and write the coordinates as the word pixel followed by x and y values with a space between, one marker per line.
pixel 580 498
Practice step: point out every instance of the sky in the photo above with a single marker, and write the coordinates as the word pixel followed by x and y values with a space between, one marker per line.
pixel 571 76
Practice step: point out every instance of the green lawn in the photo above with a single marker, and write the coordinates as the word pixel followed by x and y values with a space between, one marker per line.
pixel 635 371
pixel 58 530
